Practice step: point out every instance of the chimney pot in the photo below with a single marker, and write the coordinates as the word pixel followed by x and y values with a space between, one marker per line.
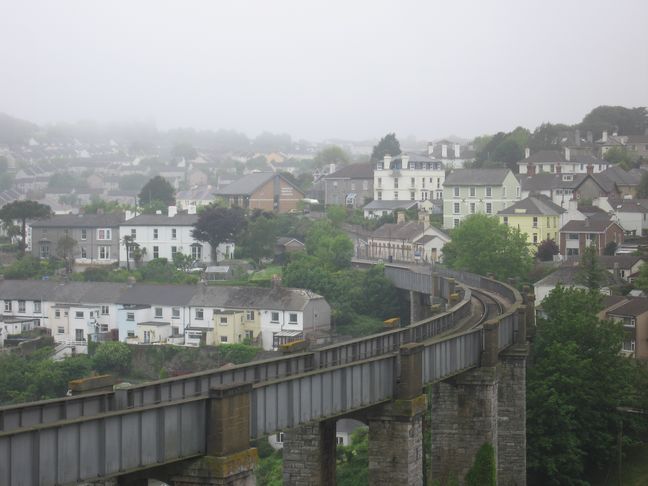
pixel 527 153
pixel 444 151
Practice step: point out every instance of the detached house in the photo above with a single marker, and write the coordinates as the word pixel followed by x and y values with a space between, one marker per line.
pixel 576 235
pixel 96 236
pixel 537 216
pixel 471 191
pixel 351 186
pixel 632 313
pixel 266 191
pixel 408 177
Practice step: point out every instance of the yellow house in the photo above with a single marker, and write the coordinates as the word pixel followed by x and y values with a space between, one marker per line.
pixel 235 326
pixel 537 216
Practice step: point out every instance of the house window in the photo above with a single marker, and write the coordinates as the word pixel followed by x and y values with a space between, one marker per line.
pixel 396 183
pixel 572 251
pixel 196 252
pixel 456 223
pixel 133 233
pixel 104 253
pixel 573 236
pixel 84 234
pixel 174 250
pixel 105 310
pixel 37 306
pixel 413 196
pixel 155 233
pixel 503 191
pixel 535 238
pixel 22 308
pixel 489 208
pixel 280 437
pixel 505 220
pixel 535 221
pixel 7 306
pixel 84 252
pixel 380 182
pixel 472 192
pixel 249 315
pixel 412 182
pixel 200 314
pixel 78 335
pixel 489 192
pixel 455 208
pixel 44 250
pixel 339 440
pixel 380 195
pixel 130 316
pixel 156 252
pixel 104 328
pixel 395 195
pixel 456 192
pixel 223 339
pixel 104 234
pixel 60 330
pixel 472 208
pixel 175 313
pixel 158 312
pixel 78 315
pixel 174 233
pixel 223 321
pixel 57 314
pixel 292 318
pixel 274 317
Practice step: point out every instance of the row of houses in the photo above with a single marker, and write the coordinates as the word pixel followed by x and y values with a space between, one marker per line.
pixel 78 312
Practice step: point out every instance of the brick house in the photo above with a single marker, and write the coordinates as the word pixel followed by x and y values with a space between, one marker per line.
pixel 267 191
pixel 576 235
pixel 633 314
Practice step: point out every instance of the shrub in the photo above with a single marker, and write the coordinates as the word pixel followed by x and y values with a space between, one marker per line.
pixel 113 357
pixel 483 472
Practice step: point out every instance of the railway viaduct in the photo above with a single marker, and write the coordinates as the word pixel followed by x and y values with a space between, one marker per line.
pixel 457 373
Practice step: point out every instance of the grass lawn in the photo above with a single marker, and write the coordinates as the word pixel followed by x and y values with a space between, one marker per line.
pixel 266 273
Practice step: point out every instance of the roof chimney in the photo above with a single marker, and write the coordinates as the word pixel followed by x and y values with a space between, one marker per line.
pixel 404 161
pixel 577 137
pixel 457 150
pixel 558 168
pixel 387 162
pixel 424 219
pixel 430 148
pixel 604 136
pixel 444 151
pixel 590 169
pixel 172 211
pixel 276 281
pixel 567 154
pixel 527 153
pixel 400 217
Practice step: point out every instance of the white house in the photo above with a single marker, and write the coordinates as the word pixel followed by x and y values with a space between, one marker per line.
pixel 164 235
pixel 408 177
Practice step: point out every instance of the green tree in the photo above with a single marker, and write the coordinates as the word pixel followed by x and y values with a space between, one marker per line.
pixel 329 245
pixel 65 247
pixel 336 215
pixel 353 460
pixel 217 225
pixel 620 156
pixel 481 244
pixel 22 211
pixel 388 145
pixel 627 121
pixel 331 155
pixel 112 357
pixel 591 273
pixel 98 205
pixel 129 244
pixel 182 262
pixel 642 189
pixel 260 237
pixel 484 470
pixel 546 250
pixel 576 380
pixel 157 189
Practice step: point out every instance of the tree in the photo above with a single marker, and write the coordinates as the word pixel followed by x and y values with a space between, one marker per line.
pixel 65 251
pixel 353 460
pixel 642 189
pixel 336 215
pixel 22 211
pixel 576 381
pixel 329 245
pixel 217 225
pixel 129 243
pixel 627 121
pixel 620 156
pixel 546 250
pixel 481 244
pixel 260 237
pixel 591 273
pixel 388 145
pixel 98 205
pixel 331 155
pixel 182 262
pixel 157 189
pixel 112 357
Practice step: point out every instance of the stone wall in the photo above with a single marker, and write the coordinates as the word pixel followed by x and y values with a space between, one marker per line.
pixel 309 454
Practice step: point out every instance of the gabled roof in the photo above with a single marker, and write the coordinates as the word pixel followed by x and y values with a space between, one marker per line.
pixel 535 205
pixel 69 293
pixel 109 220
pixel 587 226
pixel 157 294
pixel 624 261
pixel 353 171
pixel 247 184
pixel 544 157
pixel 275 298
pixel 197 193
pixel 476 177
pixel 634 307
pixel 399 231
pixel 180 219
pixel 620 176
pixel 376 205
pixel 629 205
pixel 547 182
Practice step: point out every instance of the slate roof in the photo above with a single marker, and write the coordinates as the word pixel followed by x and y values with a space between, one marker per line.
pixel 180 219
pixel 70 292
pixel 634 307
pixel 612 300
pixel 353 171
pixel 624 261
pixel 141 293
pixel 637 138
pixel 246 185
pixel 621 177
pixel 198 193
pixel 538 205
pixel 376 205
pixel 476 177
pixel 544 157
pixel 275 298
pixel 587 226
pixel 109 220
pixel 629 205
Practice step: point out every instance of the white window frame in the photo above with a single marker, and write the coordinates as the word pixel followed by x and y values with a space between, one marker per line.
pixel 104 252
pixel 200 314
pixel 158 312
pixel 488 191
pixel 104 234
pixel 455 192
pixel 272 317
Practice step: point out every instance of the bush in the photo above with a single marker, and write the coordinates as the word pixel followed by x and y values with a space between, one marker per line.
pixel 237 353
pixel 546 250
pixel 112 357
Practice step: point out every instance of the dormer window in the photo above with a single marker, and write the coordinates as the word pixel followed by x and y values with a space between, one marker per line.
pixel 567 177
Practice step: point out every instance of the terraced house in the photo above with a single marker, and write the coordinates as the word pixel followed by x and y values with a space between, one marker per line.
pixel 471 191
pixel 536 216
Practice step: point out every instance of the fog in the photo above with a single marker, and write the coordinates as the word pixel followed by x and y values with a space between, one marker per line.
pixel 321 69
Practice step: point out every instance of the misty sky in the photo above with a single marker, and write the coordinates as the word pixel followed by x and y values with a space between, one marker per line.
pixel 321 69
